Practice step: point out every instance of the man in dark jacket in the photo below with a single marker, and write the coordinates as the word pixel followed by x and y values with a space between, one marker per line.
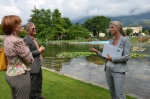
pixel 36 71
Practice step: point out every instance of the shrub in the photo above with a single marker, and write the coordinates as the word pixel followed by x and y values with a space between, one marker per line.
pixel 144 39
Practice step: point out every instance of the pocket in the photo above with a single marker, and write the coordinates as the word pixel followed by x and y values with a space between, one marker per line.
pixel 119 74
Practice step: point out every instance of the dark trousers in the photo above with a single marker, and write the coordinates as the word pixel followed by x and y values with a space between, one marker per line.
pixel 19 85
pixel 36 85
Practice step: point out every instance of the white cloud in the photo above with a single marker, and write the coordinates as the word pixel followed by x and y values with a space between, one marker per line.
pixel 75 9
pixel 8 10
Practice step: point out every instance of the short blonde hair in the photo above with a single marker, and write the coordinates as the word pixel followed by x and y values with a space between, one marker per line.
pixel 118 24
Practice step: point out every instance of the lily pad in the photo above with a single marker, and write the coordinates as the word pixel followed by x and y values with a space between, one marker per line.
pixel 136 55
pixel 73 54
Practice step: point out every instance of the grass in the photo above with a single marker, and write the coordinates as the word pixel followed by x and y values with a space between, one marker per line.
pixel 0 40
pixel 56 86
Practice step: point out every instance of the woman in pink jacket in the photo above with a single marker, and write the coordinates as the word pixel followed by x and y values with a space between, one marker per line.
pixel 18 56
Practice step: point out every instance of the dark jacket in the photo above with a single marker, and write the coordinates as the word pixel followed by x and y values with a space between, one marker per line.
pixel 36 65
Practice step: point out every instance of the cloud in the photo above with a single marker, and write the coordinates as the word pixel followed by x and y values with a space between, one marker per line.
pixel 7 8
pixel 75 9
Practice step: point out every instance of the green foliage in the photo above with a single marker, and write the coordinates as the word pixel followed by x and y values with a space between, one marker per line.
pixel 83 54
pixel 42 20
pixel 146 32
pixel 56 17
pixel 23 34
pixel 73 54
pixel 88 24
pixel 136 55
pixel 129 31
pixel 140 31
pixel 99 23
pixel 67 23
pixel 49 33
pixel 58 24
pixel 77 32
pixel 1 32
pixel 1 40
pixel 62 27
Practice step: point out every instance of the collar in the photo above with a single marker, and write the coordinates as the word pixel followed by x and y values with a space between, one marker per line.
pixel 32 37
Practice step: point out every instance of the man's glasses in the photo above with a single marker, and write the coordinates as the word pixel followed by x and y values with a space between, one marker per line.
pixel 33 29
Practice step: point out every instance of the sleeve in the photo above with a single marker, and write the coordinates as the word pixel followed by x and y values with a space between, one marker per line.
pixel 100 54
pixel 23 51
pixel 126 53
pixel 35 53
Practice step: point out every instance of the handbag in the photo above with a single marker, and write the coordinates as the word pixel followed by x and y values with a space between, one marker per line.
pixel 3 60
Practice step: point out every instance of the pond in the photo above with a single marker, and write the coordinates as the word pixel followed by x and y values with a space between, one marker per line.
pixel 137 79
pixel 91 42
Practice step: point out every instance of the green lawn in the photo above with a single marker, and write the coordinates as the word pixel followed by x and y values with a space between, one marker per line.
pixel 56 86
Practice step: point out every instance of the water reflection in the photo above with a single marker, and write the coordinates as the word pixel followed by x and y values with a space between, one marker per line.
pixel 96 59
pixel 54 63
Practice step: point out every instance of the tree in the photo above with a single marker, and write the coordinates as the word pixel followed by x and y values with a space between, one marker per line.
pixel 42 20
pixel 58 24
pixel 67 24
pixel 129 31
pixel 87 24
pixel 77 31
pixel 99 23
pixel 146 32
pixel 94 32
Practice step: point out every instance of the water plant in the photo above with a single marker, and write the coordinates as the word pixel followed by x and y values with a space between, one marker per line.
pixel 73 54
pixel 83 54
pixel 135 55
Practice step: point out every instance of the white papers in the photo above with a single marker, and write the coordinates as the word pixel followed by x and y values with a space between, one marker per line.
pixel 111 50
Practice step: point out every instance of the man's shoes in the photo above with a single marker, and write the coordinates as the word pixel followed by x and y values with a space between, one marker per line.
pixel 42 97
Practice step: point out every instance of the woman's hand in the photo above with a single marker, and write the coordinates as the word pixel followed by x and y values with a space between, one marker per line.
pixel 93 50
pixel 109 58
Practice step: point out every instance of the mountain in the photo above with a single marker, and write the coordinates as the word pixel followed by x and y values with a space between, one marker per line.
pixel 128 21
pixel 135 20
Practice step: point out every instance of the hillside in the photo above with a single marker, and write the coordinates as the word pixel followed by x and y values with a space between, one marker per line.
pixel 133 20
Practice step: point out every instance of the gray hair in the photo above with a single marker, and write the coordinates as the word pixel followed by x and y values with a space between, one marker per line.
pixel 28 25
pixel 118 24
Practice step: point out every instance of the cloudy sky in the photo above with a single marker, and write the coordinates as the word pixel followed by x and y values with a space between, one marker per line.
pixel 75 9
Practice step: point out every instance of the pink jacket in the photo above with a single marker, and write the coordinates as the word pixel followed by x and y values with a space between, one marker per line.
pixel 18 55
